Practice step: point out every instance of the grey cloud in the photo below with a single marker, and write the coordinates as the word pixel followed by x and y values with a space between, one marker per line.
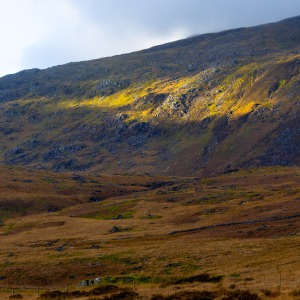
pixel 163 15
pixel 128 25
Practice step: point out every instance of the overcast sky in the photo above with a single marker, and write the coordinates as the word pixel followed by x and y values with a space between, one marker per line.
pixel 43 33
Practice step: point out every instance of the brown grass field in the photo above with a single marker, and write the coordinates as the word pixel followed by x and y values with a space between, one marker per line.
pixel 243 226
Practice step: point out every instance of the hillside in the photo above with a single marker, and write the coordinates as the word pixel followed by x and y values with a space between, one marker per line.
pixel 202 105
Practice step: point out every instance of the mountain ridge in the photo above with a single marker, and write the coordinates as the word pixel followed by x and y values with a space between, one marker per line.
pixel 183 42
pixel 157 47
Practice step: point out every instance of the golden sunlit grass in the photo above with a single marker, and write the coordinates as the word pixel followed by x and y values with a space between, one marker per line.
pixel 243 226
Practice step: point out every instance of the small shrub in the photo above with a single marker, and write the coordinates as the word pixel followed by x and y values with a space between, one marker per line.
pixel 296 293
pixel 207 295
pixel 104 289
pixel 157 297
pixel 124 295
pixel 127 279
pixel 240 295
pixel 74 294
pixel 269 293
pixel 187 295
pixel 17 296
pixel 51 295
pixel 62 295
pixel 200 278
pixel 249 279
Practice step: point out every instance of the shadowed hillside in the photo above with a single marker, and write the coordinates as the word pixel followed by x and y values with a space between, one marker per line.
pixel 202 105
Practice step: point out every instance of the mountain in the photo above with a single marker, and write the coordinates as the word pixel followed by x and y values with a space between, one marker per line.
pixel 210 103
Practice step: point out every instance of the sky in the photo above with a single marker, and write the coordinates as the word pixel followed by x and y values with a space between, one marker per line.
pixel 44 33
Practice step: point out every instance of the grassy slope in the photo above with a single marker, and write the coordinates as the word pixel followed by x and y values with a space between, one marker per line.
pixel 194 106
pixel 167 230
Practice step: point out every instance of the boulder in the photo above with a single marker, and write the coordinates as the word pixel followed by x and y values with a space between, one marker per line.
pixel 78 178
pixel 115 229
pixel 95 199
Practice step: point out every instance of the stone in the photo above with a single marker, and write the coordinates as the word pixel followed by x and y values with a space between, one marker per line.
pixel 95 199
pixel 115 229
pixel 78 178
pixel 83 283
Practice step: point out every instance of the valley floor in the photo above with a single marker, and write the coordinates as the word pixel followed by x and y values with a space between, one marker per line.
pixel 154 235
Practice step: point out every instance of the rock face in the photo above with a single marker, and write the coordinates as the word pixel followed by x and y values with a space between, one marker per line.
pixel 206 104
pixel 283 149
